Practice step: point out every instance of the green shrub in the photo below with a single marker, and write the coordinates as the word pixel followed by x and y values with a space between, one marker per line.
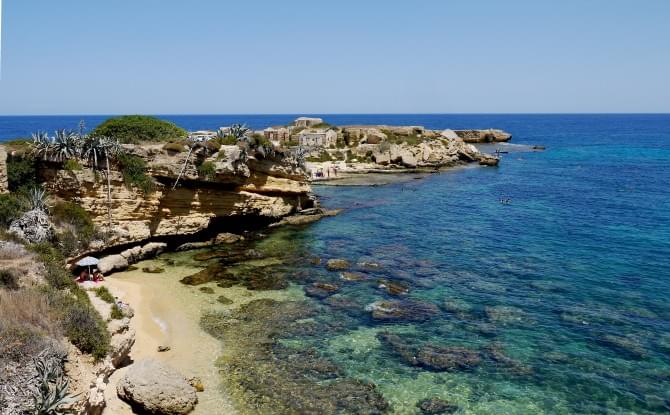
pixel 104 294
pixel 86 330
pixel 116 313
pixel 323 156
pixel 138 128
pixel 54 262
pixel 72 214
pixel 72 165
pixel 134 170
pixel 323 125
pixel 81 322
pixel 176 147
pixel 68 243
pixel 8 280
pixel 229 140
pixel 21 173
pixel 207 169
pixel 11 207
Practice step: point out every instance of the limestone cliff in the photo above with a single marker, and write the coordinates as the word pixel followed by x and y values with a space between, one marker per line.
pixel 3 170
pixel 261 190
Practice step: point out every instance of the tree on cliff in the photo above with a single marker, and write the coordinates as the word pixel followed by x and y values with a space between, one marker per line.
pixel 95 149
pixel 134 129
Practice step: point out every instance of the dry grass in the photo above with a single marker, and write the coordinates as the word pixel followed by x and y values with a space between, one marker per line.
pixel 27 322
pixel 22 264
pixel 11 250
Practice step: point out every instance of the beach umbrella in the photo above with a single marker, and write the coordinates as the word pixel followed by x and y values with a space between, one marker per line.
pixel 88 262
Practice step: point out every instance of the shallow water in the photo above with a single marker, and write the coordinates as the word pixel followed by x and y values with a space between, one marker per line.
pixel 560 297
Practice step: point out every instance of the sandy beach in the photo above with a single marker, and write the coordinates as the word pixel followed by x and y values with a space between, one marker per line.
pixel 168 314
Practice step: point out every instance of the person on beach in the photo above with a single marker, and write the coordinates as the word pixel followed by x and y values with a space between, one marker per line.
pixel 83 276
pixel 97 276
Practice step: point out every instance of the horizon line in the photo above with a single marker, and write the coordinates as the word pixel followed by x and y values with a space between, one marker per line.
pixel 329 113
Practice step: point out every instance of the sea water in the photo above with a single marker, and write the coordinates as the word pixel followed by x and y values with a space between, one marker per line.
pixel 562 292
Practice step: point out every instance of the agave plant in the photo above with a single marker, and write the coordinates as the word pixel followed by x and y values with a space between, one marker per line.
pixel 239 131
pixel 66 145
pixel 42 145
pixel 96 149
pixel 38 198
pixel 52 392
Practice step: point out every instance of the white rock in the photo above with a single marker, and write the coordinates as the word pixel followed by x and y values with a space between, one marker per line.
pixel 157 388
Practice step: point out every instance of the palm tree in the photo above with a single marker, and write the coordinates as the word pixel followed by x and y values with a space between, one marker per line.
pixel 95 149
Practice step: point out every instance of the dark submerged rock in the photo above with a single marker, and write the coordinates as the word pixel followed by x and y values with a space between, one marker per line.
pixel 436 406
pixel 439 358
pixel 393 288
pixel 224 300
pixel 338 264
pixel 207 290
pixel 320 290
pixel 284 380
pixel 402 310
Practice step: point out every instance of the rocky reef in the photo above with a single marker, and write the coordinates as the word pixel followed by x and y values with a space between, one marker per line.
pixel 266 376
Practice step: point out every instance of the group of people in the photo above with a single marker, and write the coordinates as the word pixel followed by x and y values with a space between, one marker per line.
pixel 95 276
pixel 330 169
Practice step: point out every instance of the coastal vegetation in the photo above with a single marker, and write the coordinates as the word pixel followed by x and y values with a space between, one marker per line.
pixel 135 129
pixel 134 171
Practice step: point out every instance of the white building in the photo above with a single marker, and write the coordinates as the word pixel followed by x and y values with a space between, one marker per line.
pixel 317 138
pixel 203 135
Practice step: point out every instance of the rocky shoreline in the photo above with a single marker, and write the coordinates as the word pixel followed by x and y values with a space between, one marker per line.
pixel 206 195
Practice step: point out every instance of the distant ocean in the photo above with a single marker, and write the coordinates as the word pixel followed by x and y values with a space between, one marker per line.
pixel 564 293
pixel 23 126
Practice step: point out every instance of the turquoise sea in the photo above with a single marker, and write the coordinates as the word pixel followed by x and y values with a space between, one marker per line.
pixel 557 302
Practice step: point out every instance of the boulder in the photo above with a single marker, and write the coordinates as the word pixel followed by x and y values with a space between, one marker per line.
pixel 408 160
pixel 121 345
pixel 321 290
pixel 486 160
pixel 338 264
pixel 450 135
pixel 382 158
pixel 227 238
pixel 152 249
pixel 112 263
pixel 155 388
pixel 33 227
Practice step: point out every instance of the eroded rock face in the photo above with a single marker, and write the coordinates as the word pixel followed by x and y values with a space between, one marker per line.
pixel 260 189
pixel 156 388
pixel 4 186
pixel 34 227
pixel 483 136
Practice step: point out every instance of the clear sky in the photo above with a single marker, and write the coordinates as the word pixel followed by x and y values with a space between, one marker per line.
pixel 337 56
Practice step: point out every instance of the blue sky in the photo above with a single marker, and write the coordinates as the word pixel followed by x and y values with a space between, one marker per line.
pixel 372 56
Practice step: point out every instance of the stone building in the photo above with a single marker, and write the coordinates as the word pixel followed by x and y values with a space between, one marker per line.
pixel 317 138
pixel 307 122
pixel 280 134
